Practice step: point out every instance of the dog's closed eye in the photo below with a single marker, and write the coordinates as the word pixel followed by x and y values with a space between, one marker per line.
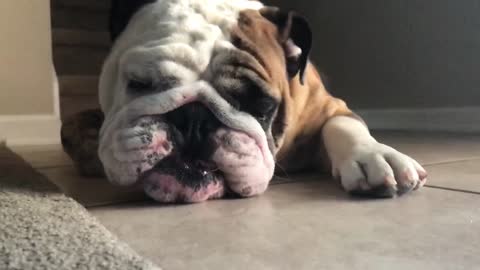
pixel 142 86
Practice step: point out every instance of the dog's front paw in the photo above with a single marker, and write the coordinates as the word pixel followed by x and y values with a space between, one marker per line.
pixel 377 170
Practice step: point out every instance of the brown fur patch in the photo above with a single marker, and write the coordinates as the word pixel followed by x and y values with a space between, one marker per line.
pixel 306 108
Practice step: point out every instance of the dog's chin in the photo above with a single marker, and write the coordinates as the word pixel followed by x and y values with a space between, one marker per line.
pixel 174 180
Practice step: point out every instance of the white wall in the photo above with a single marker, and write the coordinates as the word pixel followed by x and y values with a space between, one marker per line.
pixel 28 94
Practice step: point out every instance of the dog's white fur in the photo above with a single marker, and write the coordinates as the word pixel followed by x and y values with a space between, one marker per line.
pixel 361 163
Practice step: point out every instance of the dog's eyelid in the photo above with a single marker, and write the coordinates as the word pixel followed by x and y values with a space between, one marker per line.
pixel 139 85
pixel 169 80
pixel 138 78
pixel 269 103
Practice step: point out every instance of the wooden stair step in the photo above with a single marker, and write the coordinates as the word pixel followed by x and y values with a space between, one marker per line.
pixel 70 105
pixel 74 18
pixel 79 37
pixel 78 60
pixel 78 85
pixel 99 5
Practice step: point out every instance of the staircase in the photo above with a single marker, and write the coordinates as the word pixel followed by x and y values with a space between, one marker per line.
pixel 80 44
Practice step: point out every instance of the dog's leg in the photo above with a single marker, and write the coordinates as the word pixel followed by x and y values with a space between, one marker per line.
pixel 80 137
pixel 365 166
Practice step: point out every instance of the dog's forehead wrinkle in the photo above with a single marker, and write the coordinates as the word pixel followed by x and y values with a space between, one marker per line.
pixel 160 59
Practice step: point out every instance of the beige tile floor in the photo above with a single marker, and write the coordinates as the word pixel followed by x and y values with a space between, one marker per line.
pixel 304 222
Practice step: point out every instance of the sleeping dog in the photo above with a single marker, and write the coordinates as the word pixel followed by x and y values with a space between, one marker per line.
pixel 202 98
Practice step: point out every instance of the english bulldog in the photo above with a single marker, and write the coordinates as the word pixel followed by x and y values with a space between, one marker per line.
pixel 203 98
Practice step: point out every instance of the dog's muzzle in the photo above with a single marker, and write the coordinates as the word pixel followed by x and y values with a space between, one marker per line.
pixel 186 144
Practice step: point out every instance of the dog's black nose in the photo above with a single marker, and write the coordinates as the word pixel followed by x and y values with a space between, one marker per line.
pixel 195 123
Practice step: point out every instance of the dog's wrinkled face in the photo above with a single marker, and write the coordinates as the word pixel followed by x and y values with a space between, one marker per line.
pixel 194 96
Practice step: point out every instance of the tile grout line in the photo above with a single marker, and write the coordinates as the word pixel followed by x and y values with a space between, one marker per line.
pixel 40 168
pixel 107 204
pixel 453 189
pixel 450 162
pixel 425 164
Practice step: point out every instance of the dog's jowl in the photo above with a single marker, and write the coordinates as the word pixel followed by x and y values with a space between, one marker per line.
pixel 205 98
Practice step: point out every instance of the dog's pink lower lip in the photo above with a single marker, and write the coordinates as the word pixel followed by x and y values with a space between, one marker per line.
pixel 167 189
pixel 177 180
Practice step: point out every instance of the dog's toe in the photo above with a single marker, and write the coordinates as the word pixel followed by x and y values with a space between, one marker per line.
pixel 380 171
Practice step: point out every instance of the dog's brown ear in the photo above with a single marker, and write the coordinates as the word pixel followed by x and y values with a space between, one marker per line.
pixel 295 36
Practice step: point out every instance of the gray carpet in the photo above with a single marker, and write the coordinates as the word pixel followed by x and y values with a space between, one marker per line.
pixel 40 228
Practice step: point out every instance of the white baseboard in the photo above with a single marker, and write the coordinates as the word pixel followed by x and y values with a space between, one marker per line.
pixel 465 119
pixel 30 129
